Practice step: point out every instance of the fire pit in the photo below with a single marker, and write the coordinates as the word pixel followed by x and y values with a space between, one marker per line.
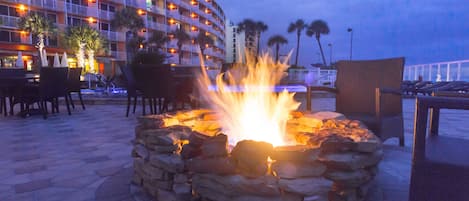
pixel 253 146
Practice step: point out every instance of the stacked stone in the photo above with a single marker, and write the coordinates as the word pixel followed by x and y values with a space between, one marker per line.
pixel 337 160
pixel 158 167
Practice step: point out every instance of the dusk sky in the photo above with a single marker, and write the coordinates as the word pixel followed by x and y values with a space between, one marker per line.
pixel 423 31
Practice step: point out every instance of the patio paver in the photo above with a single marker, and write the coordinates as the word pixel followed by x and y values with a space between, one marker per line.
pixel 86 156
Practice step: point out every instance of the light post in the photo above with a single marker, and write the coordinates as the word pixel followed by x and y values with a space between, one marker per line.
pixel 351 39
pixel 330 54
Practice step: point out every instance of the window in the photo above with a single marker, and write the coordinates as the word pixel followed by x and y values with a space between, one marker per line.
pixel 15 37
pixel 52 41
pixel 234 40
pixel 113 47
pixel 112 8
pixel 103 6
pixel 5 36
pixel 3 10
pixel 52 17
pixel 13 12
pixel 104 26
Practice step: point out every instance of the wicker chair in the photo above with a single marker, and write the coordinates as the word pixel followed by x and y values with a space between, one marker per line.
pixel 369 91
pixel 131 87
pixel 157 85
pixel 440 164
pixel 11 84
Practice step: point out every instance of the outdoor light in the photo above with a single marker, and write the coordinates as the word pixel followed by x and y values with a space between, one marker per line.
pixel 172 51
pixel 21 7
pixel 141 12
pixel 91 20
pixel 144 30
pixel 207 11
pixel 207 22
pixel 141 46
pixel 23 32
pixel 193 2
pixel 194 28
pixel 92 1
pixel 171 21
pixel 193 15
pixel 172 6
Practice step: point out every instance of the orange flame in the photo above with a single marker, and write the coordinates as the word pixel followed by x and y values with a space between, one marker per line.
pixel 245 100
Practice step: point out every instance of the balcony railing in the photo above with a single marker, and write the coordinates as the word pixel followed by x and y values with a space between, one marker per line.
pixel 77 9
pixel 113 36
pixel 442 71
pixel 49 4
pixel 118 54
pixel 106 15
pixel 8 21
pixel 158 10
pixel 157 26
pixel 135 3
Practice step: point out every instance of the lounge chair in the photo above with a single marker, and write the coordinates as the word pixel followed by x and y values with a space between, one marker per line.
pixel 369 91
pixel 440 164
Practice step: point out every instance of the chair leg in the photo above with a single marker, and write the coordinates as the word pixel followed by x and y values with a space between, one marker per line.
pixel 81 100
pixel 128 106
pixel 11 105
pixel 71 100
pixel 68 105
pixel 57 105
pixel 401 141
pixel 43 105
pixel 135 103
pixel 143 106
pixel 150 102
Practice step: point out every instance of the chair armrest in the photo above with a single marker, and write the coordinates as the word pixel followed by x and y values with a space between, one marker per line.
pixel 378 98
pixel 450 94
pixel 389 91
pixel 321 88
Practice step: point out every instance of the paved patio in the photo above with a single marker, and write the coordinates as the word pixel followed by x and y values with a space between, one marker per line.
pixel 86 156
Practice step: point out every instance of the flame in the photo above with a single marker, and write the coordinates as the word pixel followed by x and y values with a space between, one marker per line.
pixel 245 99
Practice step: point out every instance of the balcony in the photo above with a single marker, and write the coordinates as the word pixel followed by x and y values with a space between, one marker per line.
pixel 157 26
pixel 118 54
pixel 48 4
pixel 177 2
pixel 77 9
pixel 113 36
pixel 106 15
pixel 135 3
pixel 174 14
pixel 157 10
pixel 8 21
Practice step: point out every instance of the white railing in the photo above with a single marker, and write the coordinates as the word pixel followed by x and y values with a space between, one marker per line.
pixel 118 54
pixel 312 76
pixel 113 36
pixel 157 26
pixel 50 4
pixel 441 71
pixel 8 21
pixel 106 14
pixel 77 9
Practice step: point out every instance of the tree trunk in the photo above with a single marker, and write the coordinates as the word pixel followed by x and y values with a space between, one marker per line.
pixel 91 60
pixel 277 48
pixel 81 55
pixel 297 48
pixel 322 53
pixel 40 47
pixel 258 44
pixel 129 55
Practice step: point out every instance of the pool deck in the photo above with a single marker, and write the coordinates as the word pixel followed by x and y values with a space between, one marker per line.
pixel 86 156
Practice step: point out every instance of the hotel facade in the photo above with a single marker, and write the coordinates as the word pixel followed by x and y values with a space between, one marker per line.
pixel 193 16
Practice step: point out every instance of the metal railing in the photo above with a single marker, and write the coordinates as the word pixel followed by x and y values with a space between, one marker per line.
pixel 312 76
pixel 77 9
pixel 441 71
pixel 8 21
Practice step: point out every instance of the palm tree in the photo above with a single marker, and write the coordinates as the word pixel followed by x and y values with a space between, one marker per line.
pixel 157 39
pixel 182 37
pixel 316 28
pixel 128 19
pixel 37 25
pixel 77 38
pixel 260 28
pixel 95 43
pixel 297 26
pixel 277 40
pixel 204 41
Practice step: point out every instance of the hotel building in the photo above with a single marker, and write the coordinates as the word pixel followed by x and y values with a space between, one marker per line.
pixel 194 16
pixel 238 43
